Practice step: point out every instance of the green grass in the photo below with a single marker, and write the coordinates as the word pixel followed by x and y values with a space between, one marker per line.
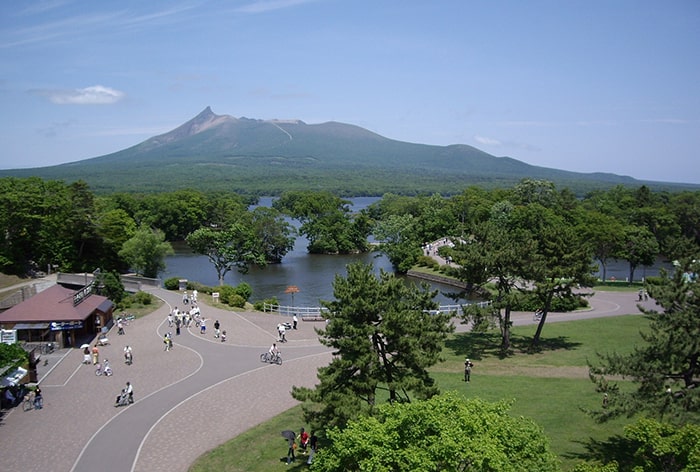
pixel 550 386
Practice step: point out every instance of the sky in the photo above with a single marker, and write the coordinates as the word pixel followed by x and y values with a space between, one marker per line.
pixel 580 85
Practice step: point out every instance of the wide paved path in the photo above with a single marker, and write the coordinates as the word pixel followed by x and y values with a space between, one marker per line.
pixel 188 400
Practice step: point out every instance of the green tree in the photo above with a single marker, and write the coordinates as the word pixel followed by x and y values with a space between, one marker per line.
pixel 604 234
pixel 561 260
pixel 274 235
pixel 145 252
pixel 397 237
pixel 326 222
pixel 234 247
pixel 445 433
pixel 666 367
pixel 114 227
pixel 639 247
pixel 649 446
pixel 384 340
pixel 12 355
pixel 498 254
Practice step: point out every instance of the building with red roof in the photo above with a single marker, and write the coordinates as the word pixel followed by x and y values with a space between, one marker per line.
pixel 59 314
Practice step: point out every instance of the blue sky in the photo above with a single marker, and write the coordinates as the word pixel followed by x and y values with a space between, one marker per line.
pixel 582 85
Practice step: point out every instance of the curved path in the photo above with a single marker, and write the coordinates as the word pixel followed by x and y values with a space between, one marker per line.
pixel 188 400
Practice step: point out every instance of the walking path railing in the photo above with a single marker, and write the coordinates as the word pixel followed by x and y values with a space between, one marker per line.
pixel 317 311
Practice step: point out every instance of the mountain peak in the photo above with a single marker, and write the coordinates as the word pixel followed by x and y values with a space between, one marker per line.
pixel 205 120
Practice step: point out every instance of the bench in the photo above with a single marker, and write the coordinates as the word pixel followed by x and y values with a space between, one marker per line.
pixel 312 318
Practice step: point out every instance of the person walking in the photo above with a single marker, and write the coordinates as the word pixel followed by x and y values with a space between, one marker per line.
pixel 86 355
pixel 313 444
pixel 295 320
pixel 168 342
pixel 38 399
pixel 217 325
pixel 128 355
pixel 468 370
pixel 95 355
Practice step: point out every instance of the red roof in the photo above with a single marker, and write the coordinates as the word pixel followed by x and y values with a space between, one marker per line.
pixel 54 304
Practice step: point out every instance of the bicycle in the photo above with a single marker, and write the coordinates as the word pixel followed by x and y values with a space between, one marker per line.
pixel 270 359
pixel 28 403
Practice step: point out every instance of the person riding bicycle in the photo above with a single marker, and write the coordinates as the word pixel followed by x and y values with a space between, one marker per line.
pixel 273 350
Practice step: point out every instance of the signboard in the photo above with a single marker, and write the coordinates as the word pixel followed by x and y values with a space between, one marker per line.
pixel 64 325
pixel 8 336
pixel 83 293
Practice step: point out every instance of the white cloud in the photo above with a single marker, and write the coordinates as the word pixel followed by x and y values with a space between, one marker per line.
pixel 487 141
pixel 94 95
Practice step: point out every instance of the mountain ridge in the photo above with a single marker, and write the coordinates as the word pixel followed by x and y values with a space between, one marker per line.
pixel 225 153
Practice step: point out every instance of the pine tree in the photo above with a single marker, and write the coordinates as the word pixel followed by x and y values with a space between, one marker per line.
pixel 385 335
pixel 665 368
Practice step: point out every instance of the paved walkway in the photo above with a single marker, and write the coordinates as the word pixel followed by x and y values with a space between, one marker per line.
pixel 188 400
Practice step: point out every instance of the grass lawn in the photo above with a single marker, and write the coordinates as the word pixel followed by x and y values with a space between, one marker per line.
pixel 550 386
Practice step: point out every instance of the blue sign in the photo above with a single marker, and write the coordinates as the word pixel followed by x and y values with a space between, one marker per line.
pixel 64 325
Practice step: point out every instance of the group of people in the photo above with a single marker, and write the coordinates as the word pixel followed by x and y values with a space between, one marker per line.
pixel 308 443
pixel 181 319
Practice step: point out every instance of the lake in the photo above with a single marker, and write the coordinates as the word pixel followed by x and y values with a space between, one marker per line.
pixel 314 273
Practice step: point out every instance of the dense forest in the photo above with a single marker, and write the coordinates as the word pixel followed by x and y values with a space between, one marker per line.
pixel 70 228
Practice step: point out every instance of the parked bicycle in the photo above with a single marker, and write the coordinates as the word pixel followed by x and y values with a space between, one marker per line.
pixel 270 358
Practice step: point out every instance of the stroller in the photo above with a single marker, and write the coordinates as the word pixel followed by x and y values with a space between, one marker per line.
pixel 123 399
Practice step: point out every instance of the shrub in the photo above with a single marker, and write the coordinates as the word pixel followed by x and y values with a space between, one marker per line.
pixel 172 283
pixel 236 300
pixel 260 305
pixel 244 290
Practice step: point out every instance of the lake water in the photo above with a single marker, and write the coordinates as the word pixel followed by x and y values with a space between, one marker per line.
pixel 314 273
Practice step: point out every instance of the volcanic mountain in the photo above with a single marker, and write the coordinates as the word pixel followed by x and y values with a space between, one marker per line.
pixel 224 153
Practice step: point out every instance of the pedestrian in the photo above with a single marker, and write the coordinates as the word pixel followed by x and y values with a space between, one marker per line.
pixel 171 318
pixel 313 445
pixel 280 331
pixel 223 336
pixel 203 326
pixel 290 451
pixel 185 298
pixel 86 355
pixel 303 440
pixel 178 322
pixel 194 296
pixel 605 400
pixel 120 327
pixel 167 341
pixel 95 355
pixel 468 370
pixel 295 320
pixel 38 399
pixel 128 355
pixel 216 328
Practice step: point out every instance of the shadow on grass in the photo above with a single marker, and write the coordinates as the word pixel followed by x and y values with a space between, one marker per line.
pixel 483 345
pixel 616 448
